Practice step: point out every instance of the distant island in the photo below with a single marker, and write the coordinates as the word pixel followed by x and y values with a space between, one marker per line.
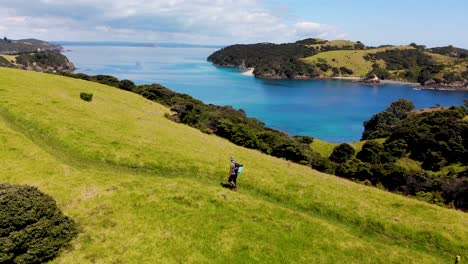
pixel 444 68
pixel 33 54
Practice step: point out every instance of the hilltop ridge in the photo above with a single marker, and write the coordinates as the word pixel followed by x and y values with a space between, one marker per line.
pixel 12 47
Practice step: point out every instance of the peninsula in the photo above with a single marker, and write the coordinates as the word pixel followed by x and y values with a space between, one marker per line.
pixel 33 54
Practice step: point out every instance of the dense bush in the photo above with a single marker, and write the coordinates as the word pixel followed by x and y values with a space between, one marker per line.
pixel 415 64
pixel 126 85
pixel 396 148
pixel 396 59
pixel 456 191
pixel 342 153
pixel 400 108
pixel 32 228
pixel 346 71
pixel 436 138
pixel 88 97
pixel 373 152
pixel 381 124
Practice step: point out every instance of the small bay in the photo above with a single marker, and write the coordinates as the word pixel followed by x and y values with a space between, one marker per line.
pixel 331 110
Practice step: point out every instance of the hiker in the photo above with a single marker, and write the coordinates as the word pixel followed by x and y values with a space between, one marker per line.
pixel 233 171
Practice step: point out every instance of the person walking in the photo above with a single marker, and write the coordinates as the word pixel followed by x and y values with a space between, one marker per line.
pixel 233 172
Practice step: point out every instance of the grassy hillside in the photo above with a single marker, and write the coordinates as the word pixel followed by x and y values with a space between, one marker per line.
pixel 145 189
pixel 355 61
pixel 351 59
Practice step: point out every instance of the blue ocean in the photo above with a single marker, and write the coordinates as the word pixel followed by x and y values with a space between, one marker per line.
pixel 330 110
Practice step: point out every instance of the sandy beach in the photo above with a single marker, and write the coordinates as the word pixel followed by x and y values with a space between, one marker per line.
pixel 248 72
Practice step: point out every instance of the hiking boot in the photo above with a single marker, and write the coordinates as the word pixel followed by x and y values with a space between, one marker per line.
pixel 234 189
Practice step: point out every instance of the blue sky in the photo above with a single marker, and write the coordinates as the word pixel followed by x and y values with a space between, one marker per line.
pixel 430 22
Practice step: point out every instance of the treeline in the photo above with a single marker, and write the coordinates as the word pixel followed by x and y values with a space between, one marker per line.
pixel 437 139
pixel 269 60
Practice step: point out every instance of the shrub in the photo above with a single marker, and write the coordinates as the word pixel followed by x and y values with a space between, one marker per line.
pixel 370 152
pixel 345 70
pixel 342 153
pixel 431 197
pixel 457 191
pixel 322 164
pixel 380 125
pixel 400 108
pixel 88 97
pixel 396 148
pixel 32 228
pixel 126 85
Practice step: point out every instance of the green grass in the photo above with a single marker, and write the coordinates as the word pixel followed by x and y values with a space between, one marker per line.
pixel 409 164
pixel 326 148
pixel 351 59
pixel 145 189
pixel 322 147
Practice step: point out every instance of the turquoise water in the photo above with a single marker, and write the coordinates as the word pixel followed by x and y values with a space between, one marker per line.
pixel 330 110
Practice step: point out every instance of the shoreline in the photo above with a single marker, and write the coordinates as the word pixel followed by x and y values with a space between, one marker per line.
pixel 357 79
pixel 248 72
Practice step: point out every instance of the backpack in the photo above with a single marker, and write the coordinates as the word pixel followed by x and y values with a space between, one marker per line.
pixel 238 167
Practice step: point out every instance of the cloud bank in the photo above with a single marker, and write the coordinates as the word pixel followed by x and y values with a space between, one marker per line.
pixel 195 21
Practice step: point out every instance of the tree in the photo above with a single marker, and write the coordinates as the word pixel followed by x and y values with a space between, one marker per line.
pixel 126 85
pixel 380 125
pixel 34 235
pixel 400 108
pixel 342 153
pixel 371 152
pixel 396 148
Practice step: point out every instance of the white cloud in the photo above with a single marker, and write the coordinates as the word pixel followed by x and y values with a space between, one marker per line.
pixel 195 21
pixel 305 29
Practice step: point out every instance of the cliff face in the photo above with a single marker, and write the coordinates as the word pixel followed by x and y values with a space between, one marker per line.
pixel 44 61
